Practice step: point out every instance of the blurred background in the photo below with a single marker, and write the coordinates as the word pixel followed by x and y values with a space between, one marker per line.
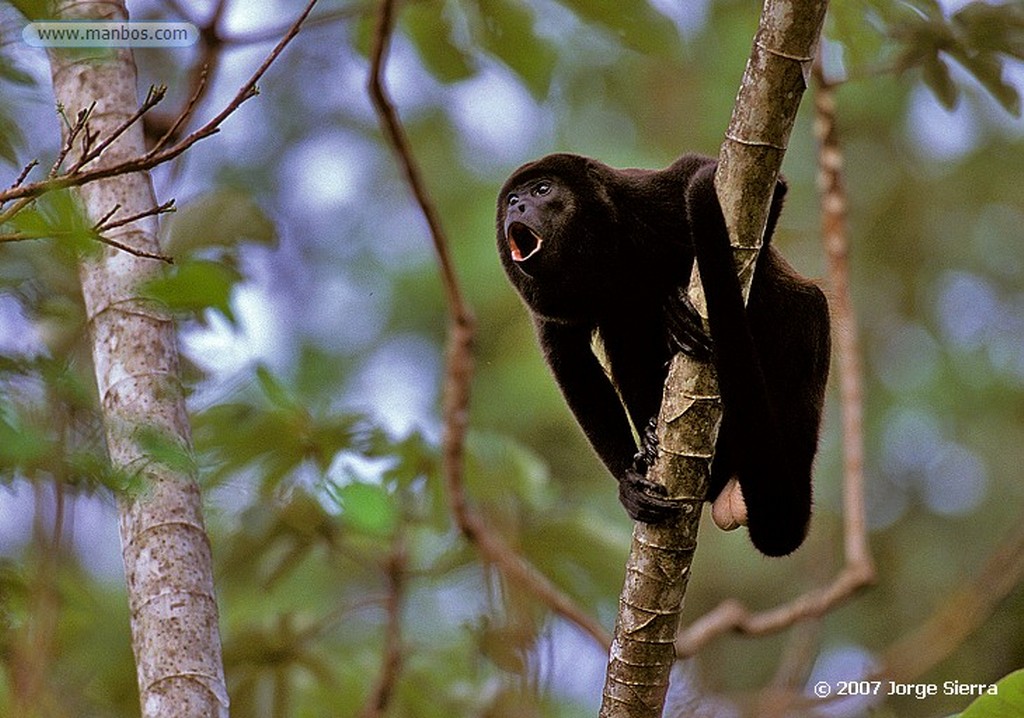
pixel 312 319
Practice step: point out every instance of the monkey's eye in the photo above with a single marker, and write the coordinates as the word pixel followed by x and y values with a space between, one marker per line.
pixel 513 199
pixel 542 188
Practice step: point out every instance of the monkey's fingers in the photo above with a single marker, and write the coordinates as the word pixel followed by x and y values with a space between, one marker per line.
pixel 684 326
pixel 647 501
pixel 648 453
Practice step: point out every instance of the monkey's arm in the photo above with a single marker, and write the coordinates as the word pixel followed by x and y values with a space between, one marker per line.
pixel 595 403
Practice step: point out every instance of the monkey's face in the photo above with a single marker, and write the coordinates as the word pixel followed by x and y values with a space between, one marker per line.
pixel 556 238
pixel 533 218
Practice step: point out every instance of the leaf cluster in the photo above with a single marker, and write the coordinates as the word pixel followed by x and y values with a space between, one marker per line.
pixel 979 37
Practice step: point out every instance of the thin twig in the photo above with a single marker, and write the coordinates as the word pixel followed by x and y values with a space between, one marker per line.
pixel 246 92
pixel 73 130
pixel 8 214
pixel 27 236
pixel 132 250
pixel 391 660
pixel 186 114
pixel 23 175
pixel 104 226
pixel 102 220
pixel 459 363
pixel 858 570
pixel 19 237
pixel 202 70
pixel 400 143
pixel 155 94
pixel 88 138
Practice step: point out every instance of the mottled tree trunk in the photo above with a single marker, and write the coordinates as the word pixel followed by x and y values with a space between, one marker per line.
pixel 166 552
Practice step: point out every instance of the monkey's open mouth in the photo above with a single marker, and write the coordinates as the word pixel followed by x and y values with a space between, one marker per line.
pixel 523 241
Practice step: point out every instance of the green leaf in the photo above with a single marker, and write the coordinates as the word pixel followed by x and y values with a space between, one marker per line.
pixel 988 70
pixel 167 449
pixel 430 30
pixel 58 215
pixel 22 446
pixel 992 27
pixel 34 9
pixel 1008 703
pixel 368 508
pixel 221 219
pixel 499 468
pixel 937 77
pixel 637 25
pixel 849 23
pixel 195 285
pixel 274 390
pixel 505 29
pixel 94 467
pixel 11 137
pixel 274 432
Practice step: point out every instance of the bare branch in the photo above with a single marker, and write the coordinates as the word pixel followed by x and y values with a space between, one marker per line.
pixel 153 97
pixel 154 158
pixel 26 236
pixel 132 250
pixel 105 226
pixel 397 139
pixel 391 661
pixel 186 114
pixel 459 362
pixel 23 175
pixel 247 91
pixel 102 220
pixel 19 237
pixel 73 130
pixel 11 211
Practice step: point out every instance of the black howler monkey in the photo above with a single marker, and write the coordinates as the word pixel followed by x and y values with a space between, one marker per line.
pixel 592 249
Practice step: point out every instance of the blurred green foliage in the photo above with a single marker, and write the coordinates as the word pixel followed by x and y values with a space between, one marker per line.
pixel 318 448
pixel 1006 700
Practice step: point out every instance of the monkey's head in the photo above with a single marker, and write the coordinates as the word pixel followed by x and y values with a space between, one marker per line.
pixel 537 207
pixel 555 228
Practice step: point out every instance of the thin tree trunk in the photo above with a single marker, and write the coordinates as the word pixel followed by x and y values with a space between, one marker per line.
pixel 175 635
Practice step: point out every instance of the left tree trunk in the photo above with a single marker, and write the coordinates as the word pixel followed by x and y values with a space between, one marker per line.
pixel 175 635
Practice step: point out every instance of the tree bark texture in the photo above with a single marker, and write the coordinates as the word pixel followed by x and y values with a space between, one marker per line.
pixel 168 567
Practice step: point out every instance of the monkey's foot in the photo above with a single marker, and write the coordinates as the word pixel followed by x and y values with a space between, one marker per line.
pixel 729 510
pixel 684 326
pixel 647 501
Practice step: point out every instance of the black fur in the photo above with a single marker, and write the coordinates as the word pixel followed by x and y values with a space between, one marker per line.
pixel 595 249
